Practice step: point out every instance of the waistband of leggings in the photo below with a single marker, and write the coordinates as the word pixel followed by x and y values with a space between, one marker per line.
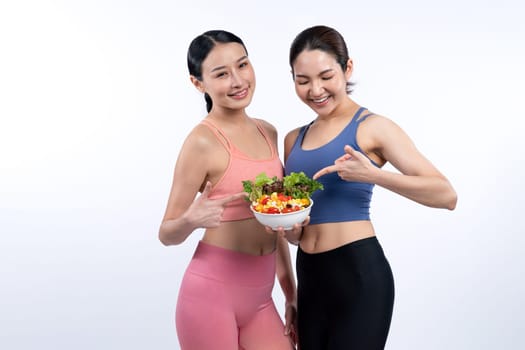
pixel 357 250
pixel 227 265
pixel 355 244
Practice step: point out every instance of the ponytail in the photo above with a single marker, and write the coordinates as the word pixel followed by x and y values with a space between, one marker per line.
pixel 209 102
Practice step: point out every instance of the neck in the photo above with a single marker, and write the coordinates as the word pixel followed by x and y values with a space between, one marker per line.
pixel 229 116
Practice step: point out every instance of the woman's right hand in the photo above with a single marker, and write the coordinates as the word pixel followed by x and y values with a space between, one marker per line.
pixel 205 212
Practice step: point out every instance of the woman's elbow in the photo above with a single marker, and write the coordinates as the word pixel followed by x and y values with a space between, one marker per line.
pixel 162 238
pixel 451 200
pixel 166 239
pixel 453 203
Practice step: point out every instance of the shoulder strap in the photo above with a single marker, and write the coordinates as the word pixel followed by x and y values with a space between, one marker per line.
pixel 360 118
pixel 364 117
pixel 351 129
pixel 218 133
pixel 265 135
pixel 358 112
pixel 302 132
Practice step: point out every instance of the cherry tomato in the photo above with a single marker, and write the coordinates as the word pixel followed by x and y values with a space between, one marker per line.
pixel 283 198
pixel 271 210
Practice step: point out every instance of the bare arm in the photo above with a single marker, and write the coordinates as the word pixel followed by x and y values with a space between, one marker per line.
pixel 284 270
pixel 289 141
pixel 418 180
pixel 286 278
pixel 184 212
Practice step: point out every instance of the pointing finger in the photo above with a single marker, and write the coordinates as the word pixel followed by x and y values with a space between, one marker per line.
pixel 324 171
pixel 232 198
pixel 240 195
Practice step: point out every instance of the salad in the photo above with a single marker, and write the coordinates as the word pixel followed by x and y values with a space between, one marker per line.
pixel 277 196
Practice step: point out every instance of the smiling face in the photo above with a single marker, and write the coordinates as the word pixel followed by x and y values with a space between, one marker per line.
pixel 320 81
pixel 227 76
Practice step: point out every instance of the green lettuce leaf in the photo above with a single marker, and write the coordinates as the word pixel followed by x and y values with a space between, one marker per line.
pixel 297 185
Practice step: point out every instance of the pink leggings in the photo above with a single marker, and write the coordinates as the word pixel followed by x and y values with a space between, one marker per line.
pixel 225 302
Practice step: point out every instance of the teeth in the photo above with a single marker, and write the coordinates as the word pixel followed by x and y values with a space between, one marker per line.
pixel 320 100
pixel 240 93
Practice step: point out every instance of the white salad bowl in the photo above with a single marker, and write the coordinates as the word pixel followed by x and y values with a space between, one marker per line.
pixel 285 220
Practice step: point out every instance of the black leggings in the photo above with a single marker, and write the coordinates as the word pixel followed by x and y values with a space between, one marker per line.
pixel 345 297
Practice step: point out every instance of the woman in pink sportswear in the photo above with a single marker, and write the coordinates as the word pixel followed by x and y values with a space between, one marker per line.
pixel 225 297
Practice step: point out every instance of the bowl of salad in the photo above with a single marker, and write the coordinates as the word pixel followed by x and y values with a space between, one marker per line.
pixel 281 202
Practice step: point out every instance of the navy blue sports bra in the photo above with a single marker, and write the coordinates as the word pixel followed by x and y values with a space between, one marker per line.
pixel 340 200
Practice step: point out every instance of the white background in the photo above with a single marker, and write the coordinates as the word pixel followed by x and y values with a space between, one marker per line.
pixel 95 102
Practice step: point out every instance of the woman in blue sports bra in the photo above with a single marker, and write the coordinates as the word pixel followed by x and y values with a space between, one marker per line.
pixel 345 284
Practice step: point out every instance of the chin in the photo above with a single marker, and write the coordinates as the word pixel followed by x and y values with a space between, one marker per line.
pixel 324 110
pixel 241 104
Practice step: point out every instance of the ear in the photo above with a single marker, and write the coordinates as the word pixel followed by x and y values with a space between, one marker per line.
pixel 197 83
pixel 349 69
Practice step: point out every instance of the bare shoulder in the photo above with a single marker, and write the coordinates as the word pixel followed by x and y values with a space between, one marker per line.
pixel 378 121
pixel 202 144
pixel 202 137
pixel 292 135
pixel 268 127
pixel 379 129
pixel 289 141
pixel 377 135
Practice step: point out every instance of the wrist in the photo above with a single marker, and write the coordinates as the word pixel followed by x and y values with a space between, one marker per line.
pixel 188 223
pixel 299 237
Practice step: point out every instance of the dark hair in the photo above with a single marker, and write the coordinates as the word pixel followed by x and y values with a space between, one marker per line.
pixel 199 49
pixel 325 39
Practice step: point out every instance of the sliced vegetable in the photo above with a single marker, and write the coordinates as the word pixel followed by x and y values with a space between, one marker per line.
pixel 274 196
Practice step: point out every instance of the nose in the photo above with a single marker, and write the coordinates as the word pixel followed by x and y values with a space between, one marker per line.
pixel 316 88
pixel 235 78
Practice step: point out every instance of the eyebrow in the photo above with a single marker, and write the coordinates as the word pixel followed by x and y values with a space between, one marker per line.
pixel 223 67
pixel 323 72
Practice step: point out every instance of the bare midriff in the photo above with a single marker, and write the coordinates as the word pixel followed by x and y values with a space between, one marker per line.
pixel 246 236
pixel 323 237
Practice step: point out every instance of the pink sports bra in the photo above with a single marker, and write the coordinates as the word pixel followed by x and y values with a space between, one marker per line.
pixel 241 167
